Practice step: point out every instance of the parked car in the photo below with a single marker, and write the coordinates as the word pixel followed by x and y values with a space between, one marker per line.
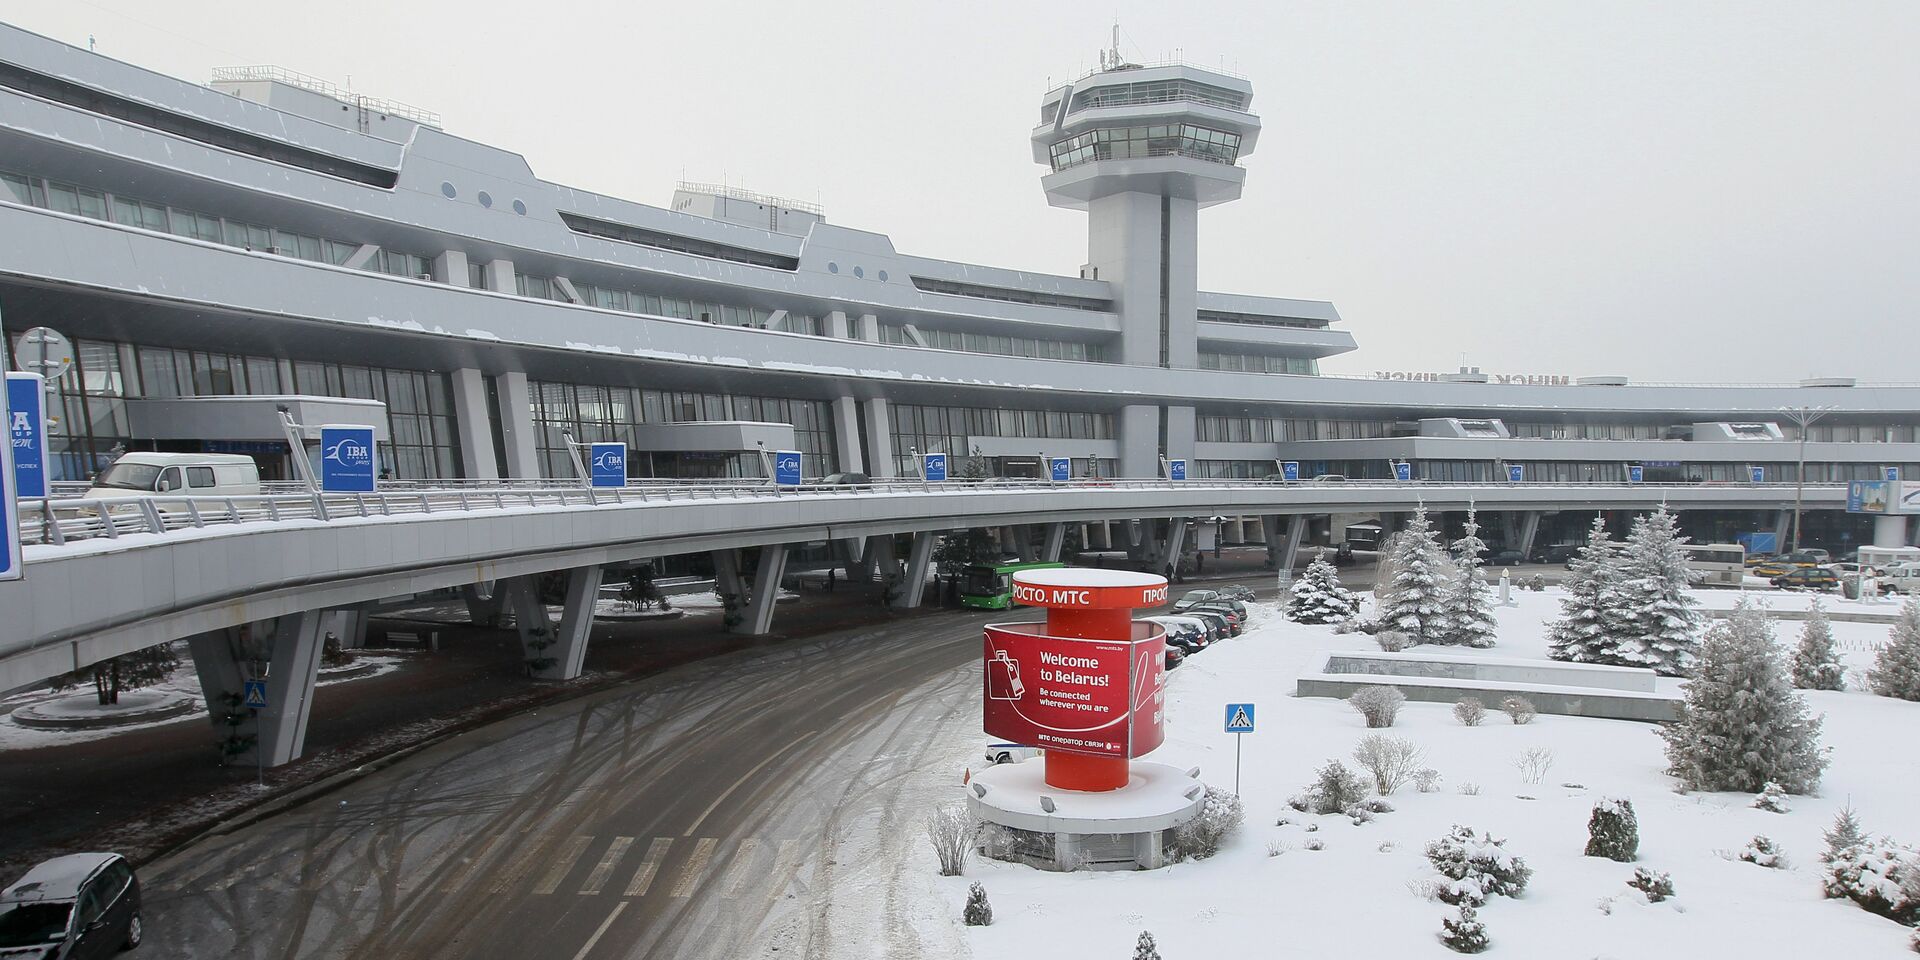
pixel 1218 628
pixel 1236 623
pixel 1192 597
pixel 843 480
pixel 1236 591
pixel 1798 560
pixel 1556 553
pixel 82 905
pixel 1506 558
pixel 1901 578
pixel 1175 657
pixel 1190 629
pixel 1010 752
pixel 1807 578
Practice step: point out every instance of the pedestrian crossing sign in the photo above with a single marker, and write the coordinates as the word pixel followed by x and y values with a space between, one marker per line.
pixel 1239 718
pixel 256 698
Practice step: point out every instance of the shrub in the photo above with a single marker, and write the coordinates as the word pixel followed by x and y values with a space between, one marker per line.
pixel 1881 876
pixel 1391 760
pixel 1763 852
pixel 1393 641
pixel 978 912
pixel 1144 948
pixel 1316 844
pixel 1427 780
pixel 1201 837
pixel 1359 814
pixel 1277 847
pixel 1465 933
pixel 1613 831
pixel 1656 886
pixel 1537 583
pixel 1346 627
pixel 1845 832
pixel 951 829
pixel 1534 764
pixel 1376 805
pixel 1470 711
pixel 1469 789
pixel 1481 866
pixel 1519 709
pixel 1379 705
pixel 1334 789
pixel 1771 798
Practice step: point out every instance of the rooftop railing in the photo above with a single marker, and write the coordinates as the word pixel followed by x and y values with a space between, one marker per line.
pixel 316 85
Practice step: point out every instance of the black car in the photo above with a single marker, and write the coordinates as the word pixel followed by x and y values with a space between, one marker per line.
pixel 1558 553
pixel 1236 591
pixel 1234 621
pixel 1220 627
pixel 843 480
pixel 82 906
pixel 1506 558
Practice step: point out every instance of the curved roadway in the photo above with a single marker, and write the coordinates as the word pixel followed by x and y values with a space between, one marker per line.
pixel 693 814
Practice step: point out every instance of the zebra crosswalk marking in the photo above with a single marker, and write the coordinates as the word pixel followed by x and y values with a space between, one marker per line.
pixel 604 869
pixel 696 866
pixel 742 865
pixel 563 864
pixel 649 866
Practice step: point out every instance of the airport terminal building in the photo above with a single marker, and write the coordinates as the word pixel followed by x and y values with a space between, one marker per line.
pixel 268 236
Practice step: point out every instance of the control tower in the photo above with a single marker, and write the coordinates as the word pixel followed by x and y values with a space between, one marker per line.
pixel 1142 148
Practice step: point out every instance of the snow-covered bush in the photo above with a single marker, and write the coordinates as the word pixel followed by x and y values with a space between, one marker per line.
pixel 1656 885
pixel 1613 831
pixel 1845 832
pixel 1144 948
pixel 1470 711
pixel 1414 599
pixel 1815 664
pixel 1376 805
pixel 1427 780
pixel 1391 760
pixel 978 912
pixel 951 829
pixel 1319 597
pixel 1197 839
pixel 1580 635
pixel 1469 789
pixel 1393 641
pixel 1519 709
pixel 1334 789
pixel 1316 845
pixel 1536 583
pixel 1771 798
pixel 1881 876
pixel 1762 851
pixel 1534 764
pixel 1652 618
pixel 1379 705
pixel 1358 814
pixel 1277 847
pixel 1896 668
pixel 1470 621
pixel 1741 725
pixel 1482 866
pixel 1465 933
pixel 1345 627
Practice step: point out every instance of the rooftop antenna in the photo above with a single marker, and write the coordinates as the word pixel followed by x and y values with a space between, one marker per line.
pixel 89 43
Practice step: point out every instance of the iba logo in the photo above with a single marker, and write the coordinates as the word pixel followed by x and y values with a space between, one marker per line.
pixel 610 460
pixel 22 424
pixel 350 453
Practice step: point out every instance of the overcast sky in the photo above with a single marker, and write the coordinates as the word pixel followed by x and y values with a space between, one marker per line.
pixel 1668 190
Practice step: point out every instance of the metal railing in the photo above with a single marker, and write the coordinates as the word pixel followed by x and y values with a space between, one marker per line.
pixel 312 84
pixel 61 521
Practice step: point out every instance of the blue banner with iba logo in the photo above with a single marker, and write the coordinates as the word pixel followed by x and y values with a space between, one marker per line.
pixel 9 524
pixel 346 458
pixel 27 433
pixel 1060 468
pixel 1516 473
pixel 1290 470
pixel 1636 473
pixel 935 466
pixel 786 468
pixel 1757 474
pixel 608 468
pixel 1403 470
pixel 1176 469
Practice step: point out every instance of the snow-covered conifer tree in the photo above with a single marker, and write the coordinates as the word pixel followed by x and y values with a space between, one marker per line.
pixel 1144 948
pixel 1415 602
pixel 1470 608
pixel 1319 597
pixel 1742 726
pixel 1896 668
pixel 1815 665
pixel 1652 620
pixel 1581 635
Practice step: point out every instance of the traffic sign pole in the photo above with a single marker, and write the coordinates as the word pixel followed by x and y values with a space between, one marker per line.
pixel 1236 762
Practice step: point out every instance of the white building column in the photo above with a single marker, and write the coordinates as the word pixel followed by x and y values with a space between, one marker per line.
pixel 516 426
pixel 1296 535
pixel 1056 538
pixel 288 648
pixel 1890 531
pixel 451 268
pixel 836 324
pixel 500 277
pixel 879 438
pixel 766 590
pixel 473 425
pixel 564 652
pixel 1138 429
pixel 846 435
pixel 914 584
pixel 1529 530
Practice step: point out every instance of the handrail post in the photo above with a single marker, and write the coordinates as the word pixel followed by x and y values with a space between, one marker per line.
pixel 425 507
pixel 193 513
pixel 106 519
pixel 156 523
pixel 361 499
pixel 320 506
pixel 273 509
pixel 50 525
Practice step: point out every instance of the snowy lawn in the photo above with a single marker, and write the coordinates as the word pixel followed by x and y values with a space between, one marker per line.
pixel 1360 895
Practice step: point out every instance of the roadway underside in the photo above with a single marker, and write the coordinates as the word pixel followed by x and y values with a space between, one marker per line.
pixel 713 810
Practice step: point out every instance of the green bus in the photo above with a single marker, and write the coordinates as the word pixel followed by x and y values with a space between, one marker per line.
pixel 990 587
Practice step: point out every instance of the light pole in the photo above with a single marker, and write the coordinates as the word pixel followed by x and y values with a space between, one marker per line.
pixel 1803 417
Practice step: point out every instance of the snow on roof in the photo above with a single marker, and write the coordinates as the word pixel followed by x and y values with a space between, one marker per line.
pixel 1088 577
pixel 59 878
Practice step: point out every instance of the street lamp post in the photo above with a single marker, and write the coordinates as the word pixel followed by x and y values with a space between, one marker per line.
pixel 1803 417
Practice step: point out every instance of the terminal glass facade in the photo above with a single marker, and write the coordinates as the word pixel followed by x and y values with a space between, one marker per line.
pixel 611 413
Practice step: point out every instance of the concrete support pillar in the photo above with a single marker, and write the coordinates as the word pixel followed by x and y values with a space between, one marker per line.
pixel 451 268
pixel 726 575
pixel 485 607
pixel 287 651
pixel 885 557
pixel 1889 531
pixel 1138 427
pixel 1176 543
pixel 766 590
pixel 516 426
pixel 1529 529
pixel 1296 535
pixel 836 327
pixel 559 649
pixel 500 277
pixel 473 425
pixel 349 628
pixel 1056 539
pixel 879 438
pixel 1271 535
pixel 868 328
pixel 1782 530
pixel 846 435
pixel 914 584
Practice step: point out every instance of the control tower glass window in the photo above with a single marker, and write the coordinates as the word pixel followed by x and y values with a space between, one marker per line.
pixel 1157 91
pixel 1159 140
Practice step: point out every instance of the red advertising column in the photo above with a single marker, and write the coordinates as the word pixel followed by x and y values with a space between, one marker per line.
pixel 1087 686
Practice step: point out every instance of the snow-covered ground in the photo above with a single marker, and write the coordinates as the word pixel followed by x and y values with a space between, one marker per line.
pixel 1266 894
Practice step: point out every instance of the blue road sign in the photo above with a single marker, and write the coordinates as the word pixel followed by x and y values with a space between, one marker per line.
pixel 9 524
pixel 608 466
pixel 1516 473
pixel 1890 473
pixel 1636 473
pixel 256 695
pixel 1239 718
pixel 346 458
pixel 1290 470
pixel 1060 468
pixel 786 468
pixel 1403 471
pixel 1176 469
pixel 1757 474
pixel 934 466
pixel 27 428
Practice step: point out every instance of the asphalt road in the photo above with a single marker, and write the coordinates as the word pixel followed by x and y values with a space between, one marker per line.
pixel 697 813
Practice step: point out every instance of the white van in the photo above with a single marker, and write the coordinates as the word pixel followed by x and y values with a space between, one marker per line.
pixel 179 475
